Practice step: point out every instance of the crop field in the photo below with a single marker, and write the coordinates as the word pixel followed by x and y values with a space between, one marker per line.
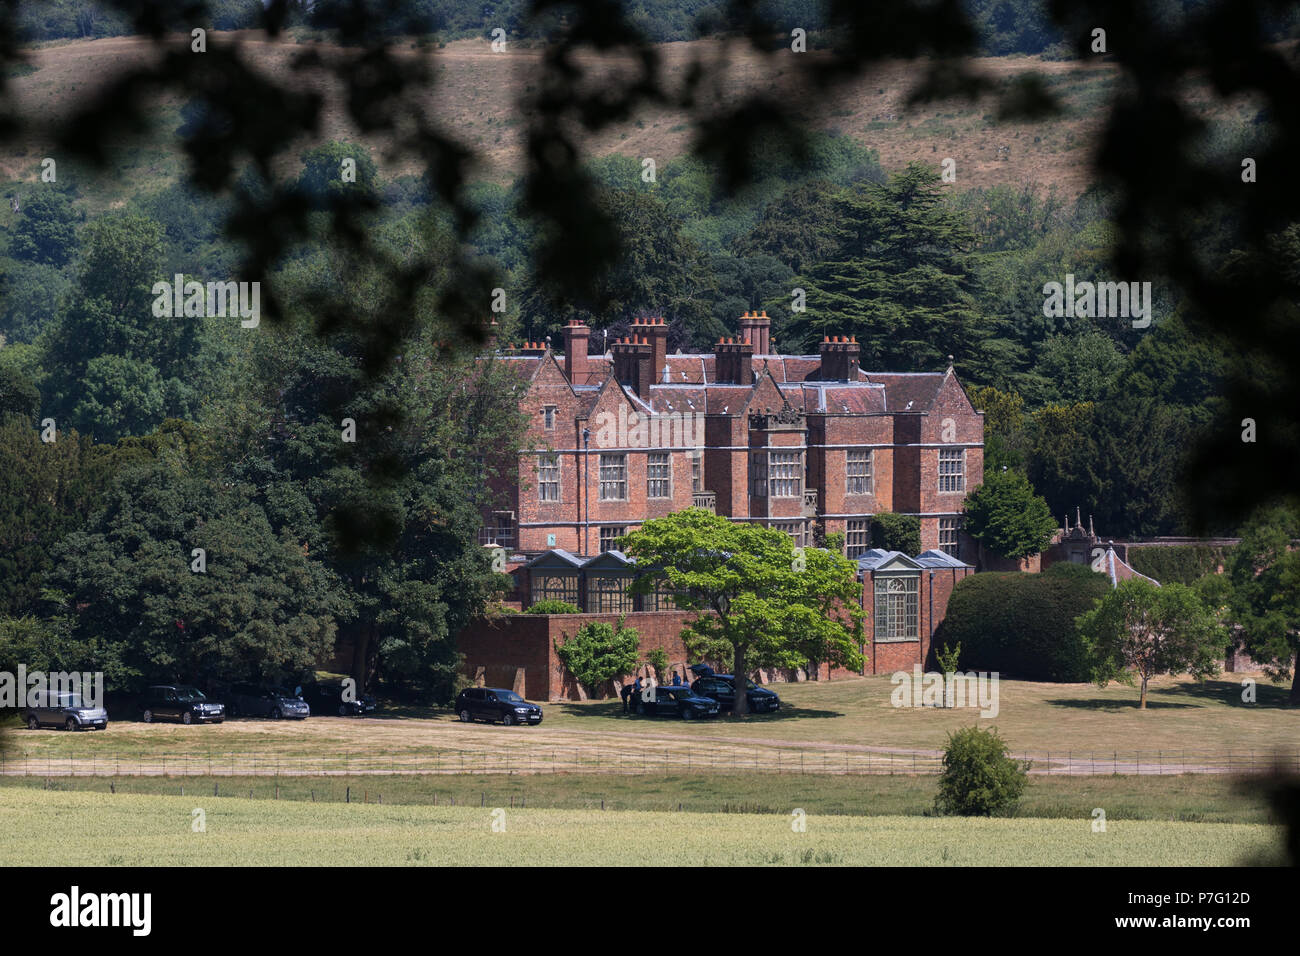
pixel 845 726
pixel 90 829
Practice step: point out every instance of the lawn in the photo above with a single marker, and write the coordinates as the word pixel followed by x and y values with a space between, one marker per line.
pixel 89 829
pixel 1194 798
pixel 836 726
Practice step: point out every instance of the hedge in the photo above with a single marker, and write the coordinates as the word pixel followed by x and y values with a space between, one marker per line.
pixel 1179 564
pixel 1022 625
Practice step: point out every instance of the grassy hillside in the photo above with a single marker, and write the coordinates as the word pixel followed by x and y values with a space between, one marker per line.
pixel 478 89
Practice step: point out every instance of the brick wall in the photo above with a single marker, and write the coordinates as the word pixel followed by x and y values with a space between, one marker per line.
pixel 933 592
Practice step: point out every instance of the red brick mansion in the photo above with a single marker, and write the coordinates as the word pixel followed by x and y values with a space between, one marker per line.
pixel 809 444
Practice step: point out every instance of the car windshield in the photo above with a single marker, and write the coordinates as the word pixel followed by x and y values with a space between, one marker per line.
pixel 189 693
pixel 70 700
pixel 510 697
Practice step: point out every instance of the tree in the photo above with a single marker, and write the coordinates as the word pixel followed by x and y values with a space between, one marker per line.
pixel 47 232
pixel 258 608
pixel 599 652
pixel 979 777
pixel 902 279
pixel 1079 368
pixel 1264 594
pixel 1140 628
pixel 895 532
pixel 1004 515
pixel 324 170
pixel 755 604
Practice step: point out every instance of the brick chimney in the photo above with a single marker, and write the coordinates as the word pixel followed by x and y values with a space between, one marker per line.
pixel 839 354
pixel 492 330
pixel 632 358
pixel 733 364
pixel 756 329
pixel 576 337
pixel 656 331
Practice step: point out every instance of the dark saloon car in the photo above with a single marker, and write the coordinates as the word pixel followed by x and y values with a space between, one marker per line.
pixel 329 699
pixel 674 701
pixel 493 704
pixel 66 710
pixel 722 688
pixel 247 700
pixel 179 702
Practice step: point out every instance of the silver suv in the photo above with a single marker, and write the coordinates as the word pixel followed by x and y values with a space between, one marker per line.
pixel 66 710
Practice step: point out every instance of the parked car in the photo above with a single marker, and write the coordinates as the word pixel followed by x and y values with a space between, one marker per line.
pixel 328 699
pixel 674 701
pixel 493 704
pixel 278 703
pixel 179 702
pixel 66 710
pixel 722 688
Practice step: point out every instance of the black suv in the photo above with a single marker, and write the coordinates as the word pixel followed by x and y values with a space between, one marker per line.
pixel 179 702
pixel 722 688
pixel 674 701
pixel 249 700
pixel 493 704
pixel 328 699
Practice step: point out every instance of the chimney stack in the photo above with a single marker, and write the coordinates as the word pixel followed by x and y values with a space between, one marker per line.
pixel 756 329
pixel 492 329
pixel 839 354
pixel 533 348
pixel 734 365
pixel 576 337
pixel 656 332
pixel 632 358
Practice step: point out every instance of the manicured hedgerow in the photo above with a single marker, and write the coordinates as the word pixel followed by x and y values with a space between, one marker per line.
pixel 1022 625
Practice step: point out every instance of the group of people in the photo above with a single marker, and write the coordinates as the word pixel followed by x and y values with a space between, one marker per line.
pixel 636 687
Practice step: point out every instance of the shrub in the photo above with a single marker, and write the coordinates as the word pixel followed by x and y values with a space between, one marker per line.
pixel 1005 515
pixel 894 532
pixel 553 606
pixel 1022 625
pixel 979 777
pixel 599 652
pixel 658 659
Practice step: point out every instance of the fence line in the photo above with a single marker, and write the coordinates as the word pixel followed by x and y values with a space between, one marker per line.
pixel 544 759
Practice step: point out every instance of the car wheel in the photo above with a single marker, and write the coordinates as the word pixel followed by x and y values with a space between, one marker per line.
pixel 465 717
pixel 343 710
pixel 276 715
pixel 688 713
pixel 33 723
pixel 508 719
pixel 147 716
pixel 71 724
pixel 187 718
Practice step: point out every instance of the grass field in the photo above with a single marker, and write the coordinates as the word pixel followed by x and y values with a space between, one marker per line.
pixel 478 90
pixel 64 829
pixel 821 726
pixel 1190 798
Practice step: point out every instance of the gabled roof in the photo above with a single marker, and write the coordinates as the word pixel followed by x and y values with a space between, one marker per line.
pixel 909 391
pixel 1117 570
pixel 935 558
pixel 613 560
pixel 556 558
pixel 877 559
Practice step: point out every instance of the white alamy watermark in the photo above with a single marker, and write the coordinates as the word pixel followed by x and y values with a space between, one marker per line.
pixel 75 908
pixel 625 429
pixel 956 689
pixel 28 689
pixel 215 300
pixel 1098 300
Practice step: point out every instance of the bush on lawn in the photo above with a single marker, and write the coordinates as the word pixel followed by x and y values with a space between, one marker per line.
pixel 979 777
pixel 1022 625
